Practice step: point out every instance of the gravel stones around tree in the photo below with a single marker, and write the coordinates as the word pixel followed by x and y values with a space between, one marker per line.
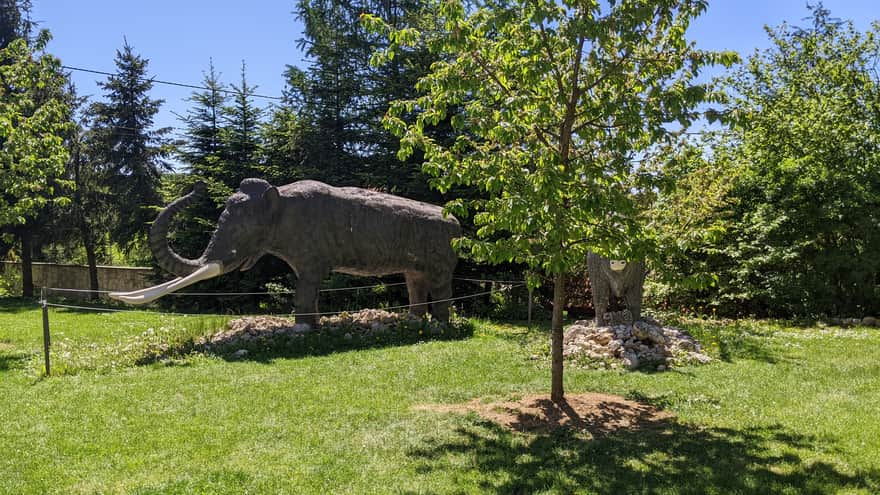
pixel 643 344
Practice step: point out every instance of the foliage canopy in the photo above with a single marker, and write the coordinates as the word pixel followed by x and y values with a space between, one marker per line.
pixel 34 118
pixel 797 223
pixel 553 104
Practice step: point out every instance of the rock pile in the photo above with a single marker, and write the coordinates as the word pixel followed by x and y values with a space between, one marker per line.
pixel 265 333
pixel 644 343
pixel 249 329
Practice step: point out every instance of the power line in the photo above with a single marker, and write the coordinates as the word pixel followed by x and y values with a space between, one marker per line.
pixel 172 83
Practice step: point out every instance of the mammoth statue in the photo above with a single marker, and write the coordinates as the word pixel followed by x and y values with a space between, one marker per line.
pixel 316 229
pixel 619 279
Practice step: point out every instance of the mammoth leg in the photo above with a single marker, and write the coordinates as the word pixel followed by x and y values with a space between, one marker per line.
pixel 601 297
pixel 634 294
pixel 441 290
pixel 417 286
pixel 307 287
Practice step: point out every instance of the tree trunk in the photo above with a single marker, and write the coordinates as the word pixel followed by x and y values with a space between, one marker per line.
pixel 92 261
pixel 557 392
pixel 27 261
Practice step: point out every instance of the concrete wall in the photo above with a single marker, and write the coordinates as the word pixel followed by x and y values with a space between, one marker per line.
pixel 116 278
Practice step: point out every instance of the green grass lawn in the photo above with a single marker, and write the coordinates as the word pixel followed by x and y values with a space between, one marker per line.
pixel 785 409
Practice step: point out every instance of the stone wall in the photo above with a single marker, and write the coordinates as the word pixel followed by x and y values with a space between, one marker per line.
pixel 115 278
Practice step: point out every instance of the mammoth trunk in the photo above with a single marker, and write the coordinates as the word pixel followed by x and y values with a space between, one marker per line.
pixel 165 256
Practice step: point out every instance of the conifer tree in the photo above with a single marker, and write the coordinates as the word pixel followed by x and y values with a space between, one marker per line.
pixel 282 136
pixel 204 152
pixel 10 21
pixel 15 21
pixel 130 151
pixel 204 147
pixel 241 134
pixel 342 98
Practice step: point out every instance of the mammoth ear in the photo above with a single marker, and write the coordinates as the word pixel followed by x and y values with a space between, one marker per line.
pixel 271 198
pixel 254 188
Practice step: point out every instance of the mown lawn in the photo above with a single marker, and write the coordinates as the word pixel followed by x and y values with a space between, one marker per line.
pixel 785 409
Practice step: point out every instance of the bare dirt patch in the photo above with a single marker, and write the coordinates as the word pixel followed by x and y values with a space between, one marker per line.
pixel 597 414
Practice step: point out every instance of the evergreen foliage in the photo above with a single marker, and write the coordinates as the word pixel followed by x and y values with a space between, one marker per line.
pixel 15 21
pixel 342 98
pixel 204 152
pixel 241 134
pixel 130 151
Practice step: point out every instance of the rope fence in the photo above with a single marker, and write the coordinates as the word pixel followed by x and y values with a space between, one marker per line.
pixel 277 292
pixel 505 285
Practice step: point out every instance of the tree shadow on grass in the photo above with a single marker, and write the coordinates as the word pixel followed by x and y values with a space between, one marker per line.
pixel 16 305
pixel 12 360
pixel 736 340
pixel 656 458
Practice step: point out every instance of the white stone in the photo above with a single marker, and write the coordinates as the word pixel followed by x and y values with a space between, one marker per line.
pixel 301 328
pixel 630 360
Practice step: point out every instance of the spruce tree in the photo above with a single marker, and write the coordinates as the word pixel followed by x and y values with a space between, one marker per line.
pixel 241 134
pixel 204 147
pixel 203 152
pixel 130 151
pixel 282 136
pixel 342 97
pixel 15 21
pixel 10 22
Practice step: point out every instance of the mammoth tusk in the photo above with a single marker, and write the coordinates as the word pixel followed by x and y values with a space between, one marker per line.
pixel 150 294
pixel 143 291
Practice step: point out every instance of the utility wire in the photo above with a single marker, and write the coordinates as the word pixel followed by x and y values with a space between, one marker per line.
pixel 172 83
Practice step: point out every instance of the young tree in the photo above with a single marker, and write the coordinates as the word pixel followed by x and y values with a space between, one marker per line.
pixel 34 119
pixel 553 102
pixel 130 151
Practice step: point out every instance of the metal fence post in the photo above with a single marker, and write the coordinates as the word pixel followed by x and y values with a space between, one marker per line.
pixel 530 307
pixel 45 305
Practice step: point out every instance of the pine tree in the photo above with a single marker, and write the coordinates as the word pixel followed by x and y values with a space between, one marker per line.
pixel 130 151
pixel 203 152
pixel 241 134
pixel 282 136
pixel 15 21
pixel 203 123
pixel 330 88
pixel 10 22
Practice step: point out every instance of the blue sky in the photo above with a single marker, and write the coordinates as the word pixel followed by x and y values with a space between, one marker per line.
pixel 179 37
